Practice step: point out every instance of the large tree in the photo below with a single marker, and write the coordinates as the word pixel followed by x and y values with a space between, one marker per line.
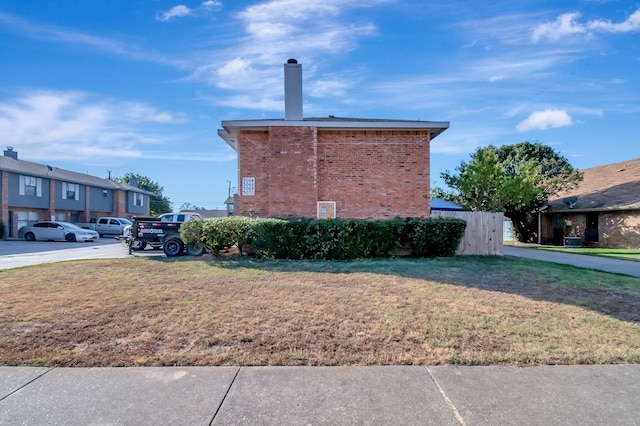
pixel 158 203
pixel 514 179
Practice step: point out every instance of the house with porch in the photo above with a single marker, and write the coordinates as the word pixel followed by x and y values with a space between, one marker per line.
pixel 603 211
pixel 330 167
pixel 32 192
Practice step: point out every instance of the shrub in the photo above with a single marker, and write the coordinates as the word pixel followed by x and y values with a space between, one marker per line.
pixel 344 239
pixel 332 239
pixel 220 232
pixel 438 237
pixel 324 239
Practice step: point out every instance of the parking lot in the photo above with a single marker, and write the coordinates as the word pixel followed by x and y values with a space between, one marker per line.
pixel 16 253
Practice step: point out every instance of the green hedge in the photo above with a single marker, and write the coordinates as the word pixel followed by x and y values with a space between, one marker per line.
pixel 338 239
pixel 219 232
pixel 325 239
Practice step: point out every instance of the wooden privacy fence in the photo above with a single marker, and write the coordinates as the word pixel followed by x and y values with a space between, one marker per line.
pixel 483 235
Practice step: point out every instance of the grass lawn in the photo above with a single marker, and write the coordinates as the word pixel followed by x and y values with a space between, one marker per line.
pixel 471 310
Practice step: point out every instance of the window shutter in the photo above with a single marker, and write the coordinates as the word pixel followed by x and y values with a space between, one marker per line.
pixel 64 190
pixel 39 187
pixel 21 185
pixel 77 192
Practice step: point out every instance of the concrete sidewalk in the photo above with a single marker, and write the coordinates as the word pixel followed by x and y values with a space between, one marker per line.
pixel 400 395
pixel 599 263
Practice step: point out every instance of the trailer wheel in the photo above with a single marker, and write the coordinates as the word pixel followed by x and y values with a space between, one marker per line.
pixel 173 247
pixel 195 249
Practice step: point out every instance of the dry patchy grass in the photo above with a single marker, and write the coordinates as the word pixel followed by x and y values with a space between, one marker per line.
pixel 130 312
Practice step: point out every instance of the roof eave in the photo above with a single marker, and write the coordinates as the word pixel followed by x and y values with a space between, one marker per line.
pixel 592 210
pixel 231 128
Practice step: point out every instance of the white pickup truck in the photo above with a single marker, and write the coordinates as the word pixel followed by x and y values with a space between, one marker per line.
pixel 107 225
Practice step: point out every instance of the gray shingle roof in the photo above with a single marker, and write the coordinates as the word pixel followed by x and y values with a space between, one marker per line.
pixel 49 172
pixel 610 187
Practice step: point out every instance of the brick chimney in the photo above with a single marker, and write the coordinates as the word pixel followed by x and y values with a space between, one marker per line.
pixel 292 90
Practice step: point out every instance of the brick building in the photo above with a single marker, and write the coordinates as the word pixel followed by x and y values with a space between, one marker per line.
pixel 331 166
pixel 604 210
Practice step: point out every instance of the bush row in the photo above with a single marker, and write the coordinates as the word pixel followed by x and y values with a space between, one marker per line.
pixel 338 239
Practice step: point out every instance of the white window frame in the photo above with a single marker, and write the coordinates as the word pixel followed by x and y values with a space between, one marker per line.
pixel 25 218
pixel 24 180
pixel 75 190
pixel 138 199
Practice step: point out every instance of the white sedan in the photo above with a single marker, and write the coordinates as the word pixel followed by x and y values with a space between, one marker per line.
pixel 57 231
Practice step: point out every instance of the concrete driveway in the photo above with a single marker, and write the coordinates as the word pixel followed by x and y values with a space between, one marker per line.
pixel 16 253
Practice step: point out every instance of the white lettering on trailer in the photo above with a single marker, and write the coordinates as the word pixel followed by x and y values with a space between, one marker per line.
pixel 152 231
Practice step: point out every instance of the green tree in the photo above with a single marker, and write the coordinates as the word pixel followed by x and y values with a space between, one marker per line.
pixel 514 179
pixel 158 203
pixel 189 206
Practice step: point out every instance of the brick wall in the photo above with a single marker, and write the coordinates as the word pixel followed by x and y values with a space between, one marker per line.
pixel 369 174
pixel 253 162
pixel 293 188
pixel 375 174
pixel 620 230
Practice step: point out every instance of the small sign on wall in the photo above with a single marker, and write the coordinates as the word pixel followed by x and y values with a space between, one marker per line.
pixel 326 209
pixel 248 186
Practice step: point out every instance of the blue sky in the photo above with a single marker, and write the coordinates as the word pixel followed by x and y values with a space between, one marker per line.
pixel 141 86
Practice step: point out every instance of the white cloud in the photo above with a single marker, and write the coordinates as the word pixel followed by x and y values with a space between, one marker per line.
pixel 564 25
pixel 632 23
pixel 567 24
pixel 174 12
pixel 211 4
pixel 332 87
pixel 542 120
pixel 165 117
pixel 234 72
pixel 275 30
pixel 72 125
pixel 182 10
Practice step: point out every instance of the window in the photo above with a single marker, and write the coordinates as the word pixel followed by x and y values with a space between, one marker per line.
pixel 62 217
pixel 30 186
pixel 27 218
pixel 70 191
pixel 248 186
pixel 138 199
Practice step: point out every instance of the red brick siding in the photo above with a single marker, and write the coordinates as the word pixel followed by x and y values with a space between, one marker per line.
pixel 375 174
pixel 370 174
pixel 293 190
pixel 253 161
